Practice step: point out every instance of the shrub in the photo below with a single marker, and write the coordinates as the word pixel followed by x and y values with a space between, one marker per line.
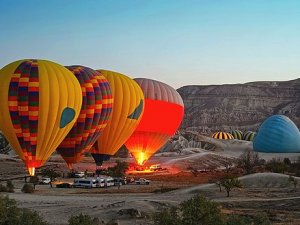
pixel 11 214
pixel 27 188
pixel 230 182
pixel 167 217
pixel 195 211
pixel 10 187
pixel 81 219
pixel 276 166
pixel 201 211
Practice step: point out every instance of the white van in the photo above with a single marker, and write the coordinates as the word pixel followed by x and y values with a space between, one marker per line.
pixel 105 181
pixel 100 182
pixel 85 183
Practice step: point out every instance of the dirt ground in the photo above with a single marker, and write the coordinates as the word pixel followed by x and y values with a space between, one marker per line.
pixel 274 196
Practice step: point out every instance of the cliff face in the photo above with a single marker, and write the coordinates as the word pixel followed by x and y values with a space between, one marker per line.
pixel 239 106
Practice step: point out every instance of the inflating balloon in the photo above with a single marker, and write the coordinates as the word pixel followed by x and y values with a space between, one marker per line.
pixel 162 116
pixel 94 114
pixel 40 102
pixel 277 134
pixel 249 136
pixel 128 107
pixel 237 134
pixel 222 135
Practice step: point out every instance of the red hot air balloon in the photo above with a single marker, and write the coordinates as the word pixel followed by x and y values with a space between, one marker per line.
pixel 94 114
pixel 162 116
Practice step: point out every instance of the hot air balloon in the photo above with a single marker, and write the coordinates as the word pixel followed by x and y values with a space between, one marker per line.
pixel 277 134
pixel 162 116
pixel 94 114
pixel 237 134
pixel 40 102
pixel 249 136
pixel 222 135
pixel 128 107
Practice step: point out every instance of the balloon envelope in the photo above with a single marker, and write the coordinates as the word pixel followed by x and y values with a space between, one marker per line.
pixel 222 135
pixel 249 136
pixel 162 116
pixel 237 134
pixel 128 107
pixel 277 134
pixel 40 102
pixel 94 114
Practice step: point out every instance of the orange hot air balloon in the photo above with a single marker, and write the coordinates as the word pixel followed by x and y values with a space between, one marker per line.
pixel 40 102
pixel 94 114
pixel 127 110
pixel 162 116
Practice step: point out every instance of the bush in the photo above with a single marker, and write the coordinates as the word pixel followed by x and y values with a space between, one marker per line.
pixel 201 211
pixel 167 217
pixel 3 188
pixel 196 211
pixel 276 166
pixel 10 187
pixel 81 220
pixel 27 188
pixel 11 214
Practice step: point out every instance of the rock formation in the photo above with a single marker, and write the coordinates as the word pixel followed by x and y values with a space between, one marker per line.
pixel 210 108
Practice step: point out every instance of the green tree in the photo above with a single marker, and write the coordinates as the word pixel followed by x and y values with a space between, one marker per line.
pixel 51 173
pixel 118 170
pixel 167 217
pixel 11 214
pixel 230 182
pixel 81 219
pixel 200 211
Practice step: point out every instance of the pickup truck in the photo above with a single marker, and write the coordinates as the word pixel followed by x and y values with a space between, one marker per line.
pixel 142 181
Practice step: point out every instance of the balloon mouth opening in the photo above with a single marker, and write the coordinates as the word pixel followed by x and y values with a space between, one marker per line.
pixel 31 171
pixel 141 159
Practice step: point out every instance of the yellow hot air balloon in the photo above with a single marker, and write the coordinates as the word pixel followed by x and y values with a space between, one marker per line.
pixel 127 110
pixel 40 102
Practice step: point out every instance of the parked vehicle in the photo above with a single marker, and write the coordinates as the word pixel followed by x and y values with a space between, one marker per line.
pixel 79 174
pixel 120 180
pixel 45 180
pixel 142 181
pixel 108 181
pixel 155 167
pixel 85 183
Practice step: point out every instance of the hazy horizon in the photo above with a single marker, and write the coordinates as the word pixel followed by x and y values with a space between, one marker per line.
pixel 175 41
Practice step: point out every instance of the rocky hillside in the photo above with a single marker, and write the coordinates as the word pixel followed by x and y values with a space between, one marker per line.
pixel 209 108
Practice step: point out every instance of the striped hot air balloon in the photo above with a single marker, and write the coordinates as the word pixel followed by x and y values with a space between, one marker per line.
pixel 94 114
pixel 162 116
pixel 222 135
pixel 40 102
pixel 249 136
pixel 237 134
pixel 277 134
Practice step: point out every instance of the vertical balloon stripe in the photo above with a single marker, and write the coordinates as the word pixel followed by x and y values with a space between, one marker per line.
pixel 23 98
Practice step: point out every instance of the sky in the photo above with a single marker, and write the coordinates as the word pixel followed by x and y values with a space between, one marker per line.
pixel 179 42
